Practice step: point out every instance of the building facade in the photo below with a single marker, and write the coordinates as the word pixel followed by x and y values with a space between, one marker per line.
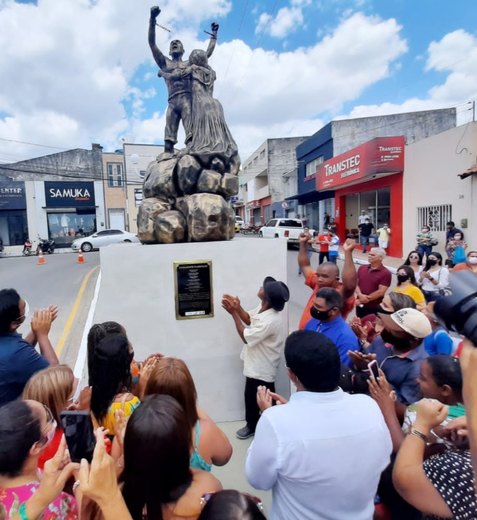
pixel 137 157
pixel 63 197
pixel 268 178
pixel 340 136
pixel 115 190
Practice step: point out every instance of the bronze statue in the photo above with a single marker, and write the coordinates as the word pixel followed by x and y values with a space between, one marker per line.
pixel 185 191
pixel 178 85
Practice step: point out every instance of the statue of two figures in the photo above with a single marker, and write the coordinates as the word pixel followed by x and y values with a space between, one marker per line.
pixel 185 191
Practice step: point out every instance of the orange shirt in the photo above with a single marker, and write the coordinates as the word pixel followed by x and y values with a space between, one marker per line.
pixel 312 282
pixel 324 247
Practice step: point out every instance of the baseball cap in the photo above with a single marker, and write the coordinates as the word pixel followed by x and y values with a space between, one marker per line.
pixel 412 321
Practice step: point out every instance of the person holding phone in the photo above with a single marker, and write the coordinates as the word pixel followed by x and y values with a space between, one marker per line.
pixel 26 429
pixel 54 387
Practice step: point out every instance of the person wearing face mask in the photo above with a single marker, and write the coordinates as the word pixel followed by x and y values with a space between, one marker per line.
pixel 407 285
pixel 26 429
pixel 399 351
pixel 425 240
pixel 326 318
pixel 433 278
pixel 18 358
pixel 470 264
pixel 456 247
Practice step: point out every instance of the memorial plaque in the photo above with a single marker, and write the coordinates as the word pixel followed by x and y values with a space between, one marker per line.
pixel 193 281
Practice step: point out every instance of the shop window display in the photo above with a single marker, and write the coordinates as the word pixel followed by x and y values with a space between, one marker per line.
pixel 63 228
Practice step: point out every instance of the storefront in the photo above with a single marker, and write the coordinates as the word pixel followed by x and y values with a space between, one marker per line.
pixel 71 211
pixel 370 178
pixel 13 215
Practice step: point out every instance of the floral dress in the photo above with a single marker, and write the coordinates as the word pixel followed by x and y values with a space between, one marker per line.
pixel 64 507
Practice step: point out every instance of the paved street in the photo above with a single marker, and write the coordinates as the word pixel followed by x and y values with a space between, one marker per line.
pixel 62 281
pixel 57 282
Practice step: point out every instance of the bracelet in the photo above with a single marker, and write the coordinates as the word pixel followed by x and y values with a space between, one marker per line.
pixel 76 486
pixel 22 511
pixel 419 434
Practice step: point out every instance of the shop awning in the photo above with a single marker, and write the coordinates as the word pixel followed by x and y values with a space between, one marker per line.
pixel 471 171
pixel 311 196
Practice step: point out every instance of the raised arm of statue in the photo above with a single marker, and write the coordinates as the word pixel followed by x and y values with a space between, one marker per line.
pixel 159 58
pixel 214 28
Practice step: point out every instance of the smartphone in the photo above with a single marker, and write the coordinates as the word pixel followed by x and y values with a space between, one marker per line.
pixel 373 368
pixel 79 434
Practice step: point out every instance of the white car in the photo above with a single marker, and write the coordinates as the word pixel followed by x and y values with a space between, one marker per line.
pixel 103 238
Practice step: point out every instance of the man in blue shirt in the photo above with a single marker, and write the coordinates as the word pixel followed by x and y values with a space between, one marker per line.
pixel 18 358
pixel 327 319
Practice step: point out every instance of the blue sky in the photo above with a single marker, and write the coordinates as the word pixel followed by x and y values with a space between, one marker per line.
pixel 80 71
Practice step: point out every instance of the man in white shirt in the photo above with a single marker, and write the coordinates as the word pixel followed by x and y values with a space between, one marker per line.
pixel 263 332
pixel 323 452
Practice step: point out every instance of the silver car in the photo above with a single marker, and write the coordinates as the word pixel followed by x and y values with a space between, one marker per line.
pixel 104 238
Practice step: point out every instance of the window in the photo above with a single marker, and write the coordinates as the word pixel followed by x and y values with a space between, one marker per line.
pixel 262 154
pixel 115 175
pixel 312 166
pixel 436 217
pixel 290 223
pixel 142 173
pixel 272 223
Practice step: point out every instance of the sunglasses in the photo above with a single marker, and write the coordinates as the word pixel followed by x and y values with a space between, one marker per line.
pixel 257 501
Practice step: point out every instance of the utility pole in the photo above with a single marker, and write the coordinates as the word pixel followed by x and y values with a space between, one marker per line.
pixel 473 109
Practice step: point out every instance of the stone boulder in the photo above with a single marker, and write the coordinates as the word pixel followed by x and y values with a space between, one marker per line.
pixel 148 211
pixel 170 227
pixel 188 170
pixel 209 182
pixel 159 180
pixel 208 217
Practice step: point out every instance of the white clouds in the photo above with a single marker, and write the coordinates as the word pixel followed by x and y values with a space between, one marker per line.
pixel 73 72
pixel 286 21
pixel 269 87
pixel 455 54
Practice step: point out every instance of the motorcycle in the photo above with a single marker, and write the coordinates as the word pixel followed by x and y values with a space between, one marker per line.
pixel 27 247
pixel 45 246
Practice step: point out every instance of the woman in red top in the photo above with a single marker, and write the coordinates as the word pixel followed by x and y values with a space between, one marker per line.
pixel 53 387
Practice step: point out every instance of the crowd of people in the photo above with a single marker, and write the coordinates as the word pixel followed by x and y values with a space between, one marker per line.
pixel 382 423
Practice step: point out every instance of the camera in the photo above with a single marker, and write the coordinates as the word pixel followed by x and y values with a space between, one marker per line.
pixel 458 310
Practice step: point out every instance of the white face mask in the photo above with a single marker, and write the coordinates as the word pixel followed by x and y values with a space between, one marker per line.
pixel 472 260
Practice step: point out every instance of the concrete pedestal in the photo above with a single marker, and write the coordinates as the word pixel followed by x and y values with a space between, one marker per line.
pixel 137 290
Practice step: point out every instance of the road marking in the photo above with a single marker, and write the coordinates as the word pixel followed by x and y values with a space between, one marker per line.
pixel 81 358
pixel 74 311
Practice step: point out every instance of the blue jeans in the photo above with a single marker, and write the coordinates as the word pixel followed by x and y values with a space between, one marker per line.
pixel 424 250
pixel 364 241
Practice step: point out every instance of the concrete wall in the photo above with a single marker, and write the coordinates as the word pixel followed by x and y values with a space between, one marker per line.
pixel 413 125
pixel 430 178
pixel 136 159
pixel 77 164
pixel 282 160
pixel 142 278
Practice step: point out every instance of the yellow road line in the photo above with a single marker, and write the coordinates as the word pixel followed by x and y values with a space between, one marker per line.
pixel 74 311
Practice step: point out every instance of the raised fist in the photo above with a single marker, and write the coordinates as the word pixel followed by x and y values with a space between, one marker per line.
pixel 155 11
pixel 214 27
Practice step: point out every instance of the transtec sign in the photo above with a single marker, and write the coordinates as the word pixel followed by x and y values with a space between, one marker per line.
pixel 69 194
pixel 12 195
pixel 378 156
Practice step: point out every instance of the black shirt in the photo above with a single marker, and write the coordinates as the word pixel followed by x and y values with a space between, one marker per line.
pixel 366 229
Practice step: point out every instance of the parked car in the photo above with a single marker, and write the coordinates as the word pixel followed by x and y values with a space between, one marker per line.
pixel 103 238
pixel 238 224
pixel 289 228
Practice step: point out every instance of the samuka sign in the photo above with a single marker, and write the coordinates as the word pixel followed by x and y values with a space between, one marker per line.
pixel 69 194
